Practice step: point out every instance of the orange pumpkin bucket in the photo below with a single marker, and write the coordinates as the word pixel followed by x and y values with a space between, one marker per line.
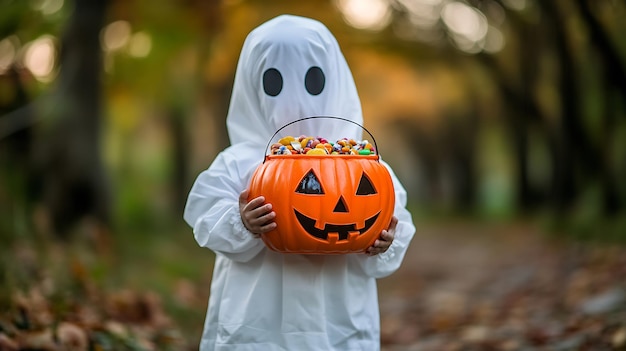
pixel 325 204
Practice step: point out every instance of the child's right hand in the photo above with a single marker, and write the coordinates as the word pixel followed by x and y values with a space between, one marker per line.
pixel 256 216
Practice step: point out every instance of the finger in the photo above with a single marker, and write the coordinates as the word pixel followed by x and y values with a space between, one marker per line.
pixel 267 228
pixel 373 251
pixel 254 203
pixel 260 211
pixel 378 247
pixel 243 197
pixel 382 245
pixel 268 217
pixel 393 223
pixel 387 236
pixel 263 219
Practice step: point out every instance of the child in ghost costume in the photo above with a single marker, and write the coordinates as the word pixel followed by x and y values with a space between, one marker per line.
pixel 289 68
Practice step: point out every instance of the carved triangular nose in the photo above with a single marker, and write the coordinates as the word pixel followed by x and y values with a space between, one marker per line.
pixel 341 205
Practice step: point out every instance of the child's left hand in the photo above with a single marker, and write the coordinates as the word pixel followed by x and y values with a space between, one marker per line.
pixel 384 241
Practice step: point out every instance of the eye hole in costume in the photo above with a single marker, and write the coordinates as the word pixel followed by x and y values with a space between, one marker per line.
pixel 272 82
pixel 314 80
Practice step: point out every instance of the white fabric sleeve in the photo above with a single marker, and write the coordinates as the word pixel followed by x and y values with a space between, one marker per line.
pixel 388 262
pixel 212 210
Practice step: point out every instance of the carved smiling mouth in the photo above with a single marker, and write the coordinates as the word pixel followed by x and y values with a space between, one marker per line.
pixel 342 229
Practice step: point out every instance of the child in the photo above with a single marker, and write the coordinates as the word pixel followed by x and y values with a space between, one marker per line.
pixel 290 67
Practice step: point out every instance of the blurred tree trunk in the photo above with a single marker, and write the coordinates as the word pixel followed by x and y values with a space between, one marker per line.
pixel 180 154
pixel 522 113
pixel 614 75
pixel 221 94
pixel 460 138
pixel 578 149
pixel 614 67
pixel 573 142
pixel 563 136
pixel 74 183
pixel 210 14
pixel 16 176
pixel 528 116
pixel 425 154
pixel 521 109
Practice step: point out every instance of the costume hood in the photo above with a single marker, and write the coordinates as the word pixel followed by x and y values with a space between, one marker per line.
pixel 292 67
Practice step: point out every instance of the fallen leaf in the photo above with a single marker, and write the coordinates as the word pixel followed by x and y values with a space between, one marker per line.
pixel 619 338
pixel 474 333
pixel 41 340
pixel 7 344
pixel 603 302
pixel 72 337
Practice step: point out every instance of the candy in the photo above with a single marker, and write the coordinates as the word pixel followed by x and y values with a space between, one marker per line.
pixel 286 140
pixel 309 145
pixel 317 151
pixel 296 145
pixel 305 141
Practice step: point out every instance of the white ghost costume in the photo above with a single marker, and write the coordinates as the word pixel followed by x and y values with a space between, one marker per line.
pixel 289 68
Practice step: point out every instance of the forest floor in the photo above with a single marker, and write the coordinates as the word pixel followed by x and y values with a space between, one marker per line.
pixel 463 286
pixel 504 287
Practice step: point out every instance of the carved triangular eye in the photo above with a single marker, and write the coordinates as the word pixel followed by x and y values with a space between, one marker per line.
pixel 310 184
pixel 365 186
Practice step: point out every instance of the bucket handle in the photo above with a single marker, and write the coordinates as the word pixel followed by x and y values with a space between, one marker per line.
pixel 315 117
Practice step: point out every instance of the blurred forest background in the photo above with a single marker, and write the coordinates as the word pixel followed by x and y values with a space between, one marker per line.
pixel 490 111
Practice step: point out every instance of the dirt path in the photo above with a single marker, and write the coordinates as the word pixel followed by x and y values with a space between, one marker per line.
pixel 504 287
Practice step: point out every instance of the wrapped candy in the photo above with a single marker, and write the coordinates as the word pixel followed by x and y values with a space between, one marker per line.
pixel 309 145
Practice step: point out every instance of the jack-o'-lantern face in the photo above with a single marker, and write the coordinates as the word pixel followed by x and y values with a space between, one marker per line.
pixel 311 186
pixel 325 204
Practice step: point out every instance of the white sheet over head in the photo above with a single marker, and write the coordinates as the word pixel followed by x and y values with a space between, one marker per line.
pixel 292 67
